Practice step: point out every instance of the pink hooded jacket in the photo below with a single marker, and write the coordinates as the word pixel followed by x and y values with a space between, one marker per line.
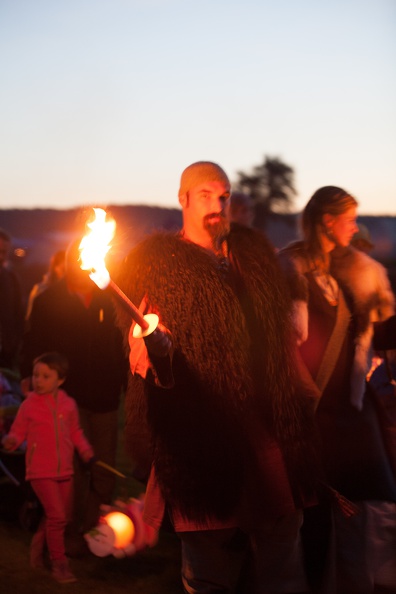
pixel 52 430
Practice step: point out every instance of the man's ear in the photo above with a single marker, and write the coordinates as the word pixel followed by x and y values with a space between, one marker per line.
pixel 183 200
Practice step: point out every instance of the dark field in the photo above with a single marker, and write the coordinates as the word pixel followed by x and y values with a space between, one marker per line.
pixel 153 571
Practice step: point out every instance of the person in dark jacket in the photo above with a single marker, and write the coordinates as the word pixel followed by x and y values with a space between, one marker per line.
pixel 75 318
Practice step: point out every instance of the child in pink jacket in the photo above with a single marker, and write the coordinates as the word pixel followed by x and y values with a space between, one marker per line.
pixel 48 421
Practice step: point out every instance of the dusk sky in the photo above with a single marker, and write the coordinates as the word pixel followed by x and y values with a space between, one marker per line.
pixel 106 101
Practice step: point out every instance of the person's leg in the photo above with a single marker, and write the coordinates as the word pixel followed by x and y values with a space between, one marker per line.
pixel 278 557
pixel 54 497
pixel 212 561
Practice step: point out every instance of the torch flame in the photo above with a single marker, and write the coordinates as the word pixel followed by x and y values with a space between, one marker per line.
pixel 94 247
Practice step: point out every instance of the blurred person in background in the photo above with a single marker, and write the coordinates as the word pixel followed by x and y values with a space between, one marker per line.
pixel 55 272
pixel 241 209
pixel 11 308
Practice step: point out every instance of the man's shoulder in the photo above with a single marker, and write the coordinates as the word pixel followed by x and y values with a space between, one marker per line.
pixel 158 239
pixel 241 231
pixel 242 236
pixel 157 246
pixel 294 249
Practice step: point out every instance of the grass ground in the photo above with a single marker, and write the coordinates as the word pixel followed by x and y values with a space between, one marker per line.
pixel 151 571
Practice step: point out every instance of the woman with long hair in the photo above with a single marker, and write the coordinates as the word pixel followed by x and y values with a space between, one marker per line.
pixel 338 292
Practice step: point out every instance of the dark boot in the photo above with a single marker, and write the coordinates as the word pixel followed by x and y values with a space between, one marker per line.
pixel 61 572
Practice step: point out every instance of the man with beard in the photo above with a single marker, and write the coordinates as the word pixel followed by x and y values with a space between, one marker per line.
pixel 216 386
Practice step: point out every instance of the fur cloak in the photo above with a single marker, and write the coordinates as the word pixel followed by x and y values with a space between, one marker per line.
pixel 235 380
pixel 365 283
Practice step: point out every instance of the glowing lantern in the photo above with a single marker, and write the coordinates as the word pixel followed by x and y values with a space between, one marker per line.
pixel 122 527
pixel 121 532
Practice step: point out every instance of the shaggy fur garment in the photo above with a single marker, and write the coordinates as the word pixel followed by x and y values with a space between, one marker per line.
pixel 365 284
pixel 235 380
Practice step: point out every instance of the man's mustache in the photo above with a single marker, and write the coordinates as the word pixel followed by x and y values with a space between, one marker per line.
pixel 214 215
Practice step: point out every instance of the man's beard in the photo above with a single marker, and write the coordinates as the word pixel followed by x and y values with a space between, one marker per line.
pixel 219 229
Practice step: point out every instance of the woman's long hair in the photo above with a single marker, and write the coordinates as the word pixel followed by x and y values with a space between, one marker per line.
pixel 326 200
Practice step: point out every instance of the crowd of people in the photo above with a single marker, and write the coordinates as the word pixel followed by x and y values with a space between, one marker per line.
pixel 258 413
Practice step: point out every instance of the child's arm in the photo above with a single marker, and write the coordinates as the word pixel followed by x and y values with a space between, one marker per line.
pixel 18 430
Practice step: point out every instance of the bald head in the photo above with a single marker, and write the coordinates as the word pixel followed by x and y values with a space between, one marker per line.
pixel 199 173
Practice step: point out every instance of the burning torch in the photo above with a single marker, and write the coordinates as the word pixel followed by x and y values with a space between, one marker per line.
pixel 121 531
pixel 94 247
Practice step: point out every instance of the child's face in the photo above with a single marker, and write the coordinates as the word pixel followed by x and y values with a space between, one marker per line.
pixel 44 379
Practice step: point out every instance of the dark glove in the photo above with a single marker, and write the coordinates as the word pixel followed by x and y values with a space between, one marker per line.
pixel 89 463
pixel 158 343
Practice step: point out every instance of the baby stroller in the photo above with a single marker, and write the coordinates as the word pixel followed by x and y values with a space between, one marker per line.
pixel 17 500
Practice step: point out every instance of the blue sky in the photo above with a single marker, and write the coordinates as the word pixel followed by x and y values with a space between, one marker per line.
pixel 106 101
